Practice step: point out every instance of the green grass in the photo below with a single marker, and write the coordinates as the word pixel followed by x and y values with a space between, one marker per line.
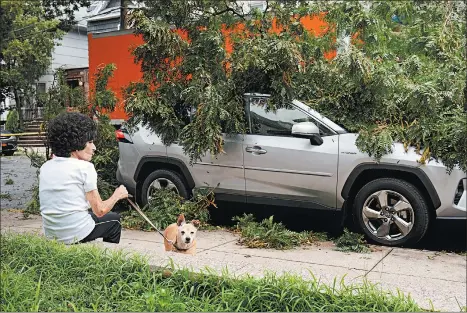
pixel 5 196
pixel 9 181
pixel 42 275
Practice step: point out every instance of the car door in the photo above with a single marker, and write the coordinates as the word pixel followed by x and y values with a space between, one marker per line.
pixel 225 170
pixel 284 170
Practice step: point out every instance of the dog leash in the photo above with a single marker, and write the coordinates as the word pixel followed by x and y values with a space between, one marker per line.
pixel 136 207
pixel 140 212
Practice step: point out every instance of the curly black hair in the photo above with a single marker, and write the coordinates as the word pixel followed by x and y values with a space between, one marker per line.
pixel 70 132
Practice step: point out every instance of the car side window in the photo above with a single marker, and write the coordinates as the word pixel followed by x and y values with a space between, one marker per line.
pixel 266 122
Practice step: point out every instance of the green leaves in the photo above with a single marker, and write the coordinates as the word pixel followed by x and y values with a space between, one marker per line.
pixel 27 47
pixel 351 242
pixel 149 109
pixel 376 141
pixel 165 207
pixel 29 31
pixel 271 234
pixel 12 122
pixel 105 160
pixel 104 98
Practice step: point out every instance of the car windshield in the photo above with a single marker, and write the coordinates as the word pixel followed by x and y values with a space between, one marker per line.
pixel 320 116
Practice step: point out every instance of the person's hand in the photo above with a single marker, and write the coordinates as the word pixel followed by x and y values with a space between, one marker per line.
pixel 121 193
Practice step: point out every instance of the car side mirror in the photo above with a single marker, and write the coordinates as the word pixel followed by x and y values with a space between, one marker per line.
pixel 307 130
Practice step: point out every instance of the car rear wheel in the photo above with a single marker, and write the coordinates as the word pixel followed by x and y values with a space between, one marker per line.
pixel 163 179
pixel 391 212
pixel 8 153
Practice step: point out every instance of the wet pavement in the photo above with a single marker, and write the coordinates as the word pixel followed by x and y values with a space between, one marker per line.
pixel 17 178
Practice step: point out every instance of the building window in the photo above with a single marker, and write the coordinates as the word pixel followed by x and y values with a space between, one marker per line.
pixel 258 5
pixel 40 88
pixel 40 94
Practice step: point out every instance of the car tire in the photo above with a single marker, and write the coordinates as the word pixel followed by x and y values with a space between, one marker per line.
pixel 173 179
pixel 8 153
pixel 404 212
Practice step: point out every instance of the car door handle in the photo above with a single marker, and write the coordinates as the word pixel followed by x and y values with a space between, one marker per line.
pixel 255 150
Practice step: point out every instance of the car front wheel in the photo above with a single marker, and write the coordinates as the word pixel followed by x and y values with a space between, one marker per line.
pixel 391 212
pixel 163 179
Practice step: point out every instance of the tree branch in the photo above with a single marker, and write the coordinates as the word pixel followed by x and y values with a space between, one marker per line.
pixel 229 9
pixel 267 7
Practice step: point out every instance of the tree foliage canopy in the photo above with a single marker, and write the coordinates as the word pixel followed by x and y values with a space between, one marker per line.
pixel 29 30
pixel 27 45
pixel 401 78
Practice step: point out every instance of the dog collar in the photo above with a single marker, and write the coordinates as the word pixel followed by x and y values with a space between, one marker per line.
pixel 180 249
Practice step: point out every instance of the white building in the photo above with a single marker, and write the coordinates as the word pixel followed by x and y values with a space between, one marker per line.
pixel 70 52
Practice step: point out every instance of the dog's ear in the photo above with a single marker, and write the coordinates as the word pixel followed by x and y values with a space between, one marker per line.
pixel 195 223
pixel 181 220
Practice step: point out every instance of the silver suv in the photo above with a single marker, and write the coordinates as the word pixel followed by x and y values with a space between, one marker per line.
pixel 295 157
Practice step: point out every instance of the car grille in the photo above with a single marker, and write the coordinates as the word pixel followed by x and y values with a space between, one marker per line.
pixel 459 192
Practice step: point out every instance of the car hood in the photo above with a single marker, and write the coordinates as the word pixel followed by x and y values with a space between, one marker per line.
pixel 399 155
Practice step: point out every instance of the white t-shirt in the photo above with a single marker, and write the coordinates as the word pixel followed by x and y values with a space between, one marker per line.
pixel 63 184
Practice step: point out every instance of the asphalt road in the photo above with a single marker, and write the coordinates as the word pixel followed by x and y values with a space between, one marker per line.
pixel 442 236
pixel 17 178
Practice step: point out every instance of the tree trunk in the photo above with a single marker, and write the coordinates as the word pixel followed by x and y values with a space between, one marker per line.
pixel 18 108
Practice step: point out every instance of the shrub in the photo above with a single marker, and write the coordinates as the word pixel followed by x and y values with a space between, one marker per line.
pixel 106 157
pixel 33 206
pixel 12 121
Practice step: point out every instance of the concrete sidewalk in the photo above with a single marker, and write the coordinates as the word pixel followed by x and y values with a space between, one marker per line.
pixel 425 275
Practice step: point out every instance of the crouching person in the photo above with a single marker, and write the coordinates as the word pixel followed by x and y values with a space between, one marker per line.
pixel 68 186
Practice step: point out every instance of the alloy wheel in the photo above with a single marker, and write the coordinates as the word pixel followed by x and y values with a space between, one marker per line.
pixel 388 215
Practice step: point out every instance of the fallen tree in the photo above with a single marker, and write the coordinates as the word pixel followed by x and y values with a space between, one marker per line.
pixel 400 78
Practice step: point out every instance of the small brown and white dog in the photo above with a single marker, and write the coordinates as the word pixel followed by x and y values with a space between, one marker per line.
pixel 183 235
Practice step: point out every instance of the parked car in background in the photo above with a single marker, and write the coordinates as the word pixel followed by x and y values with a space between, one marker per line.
pixel 9 144
pixel 296 157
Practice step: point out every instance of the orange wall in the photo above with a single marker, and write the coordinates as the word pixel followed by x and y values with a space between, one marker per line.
pixel 117 49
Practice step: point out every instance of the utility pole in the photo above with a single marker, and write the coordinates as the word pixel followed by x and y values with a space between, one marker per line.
pixel 123 12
